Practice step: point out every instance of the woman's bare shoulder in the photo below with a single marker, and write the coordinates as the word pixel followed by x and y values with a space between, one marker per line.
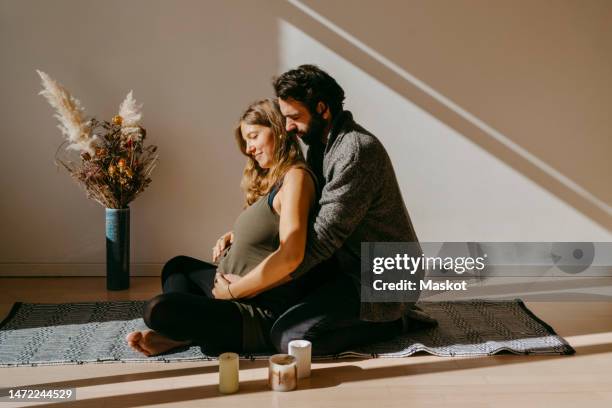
pixel 299 176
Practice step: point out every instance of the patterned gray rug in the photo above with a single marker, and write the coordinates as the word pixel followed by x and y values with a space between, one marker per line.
pixel 76 333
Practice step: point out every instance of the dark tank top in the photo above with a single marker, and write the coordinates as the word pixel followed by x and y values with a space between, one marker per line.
pixel 255 237
pixel 256 234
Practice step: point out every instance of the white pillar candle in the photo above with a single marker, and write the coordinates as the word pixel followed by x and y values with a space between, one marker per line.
pixel 302 351
pixel 282 372
pixel 228 373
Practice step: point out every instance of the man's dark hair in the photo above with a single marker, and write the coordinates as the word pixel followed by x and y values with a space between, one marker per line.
pixel 310 85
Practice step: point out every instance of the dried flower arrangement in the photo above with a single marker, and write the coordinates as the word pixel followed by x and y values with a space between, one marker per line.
pixel 113 165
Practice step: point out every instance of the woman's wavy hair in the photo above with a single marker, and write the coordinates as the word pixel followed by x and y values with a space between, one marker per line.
pixel 256 181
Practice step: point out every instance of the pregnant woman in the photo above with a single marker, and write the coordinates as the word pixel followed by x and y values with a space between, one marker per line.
pixel 267 242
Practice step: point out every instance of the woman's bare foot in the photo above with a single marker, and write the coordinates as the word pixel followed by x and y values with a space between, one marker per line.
pixel 151 343
pixel 133 340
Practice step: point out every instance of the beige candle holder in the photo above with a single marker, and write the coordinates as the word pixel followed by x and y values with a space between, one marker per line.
pixel 228 373
pixel 282 372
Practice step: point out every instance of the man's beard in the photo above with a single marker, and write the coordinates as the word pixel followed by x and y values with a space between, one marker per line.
pixel 316 126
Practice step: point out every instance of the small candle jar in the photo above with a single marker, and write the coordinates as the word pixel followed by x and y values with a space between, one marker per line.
pixel 302 351
pixel 282 372
pixel 228 373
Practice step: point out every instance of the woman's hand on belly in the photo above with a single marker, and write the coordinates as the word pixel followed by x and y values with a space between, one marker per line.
pixel 231 278
pixel 221 289
pixel 222 244
pixel 222 282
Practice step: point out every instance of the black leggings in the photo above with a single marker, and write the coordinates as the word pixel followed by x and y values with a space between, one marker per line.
pixel 329 318
pixel 187 310
pixel 326 312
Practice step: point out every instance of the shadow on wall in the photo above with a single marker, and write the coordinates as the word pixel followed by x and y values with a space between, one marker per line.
pixel 197 64
pixel 526 83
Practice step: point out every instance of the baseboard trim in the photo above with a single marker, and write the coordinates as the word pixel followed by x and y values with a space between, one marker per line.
pixel 73 269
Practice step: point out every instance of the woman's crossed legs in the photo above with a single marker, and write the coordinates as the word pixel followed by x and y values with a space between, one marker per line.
pixel 187 313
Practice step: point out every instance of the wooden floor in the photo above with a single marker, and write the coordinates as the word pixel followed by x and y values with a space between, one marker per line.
pixel 584 379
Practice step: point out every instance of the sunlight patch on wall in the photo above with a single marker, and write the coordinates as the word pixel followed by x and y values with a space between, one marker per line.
pixel 454 190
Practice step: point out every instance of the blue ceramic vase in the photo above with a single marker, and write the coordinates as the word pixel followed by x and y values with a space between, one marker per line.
pixel 117 248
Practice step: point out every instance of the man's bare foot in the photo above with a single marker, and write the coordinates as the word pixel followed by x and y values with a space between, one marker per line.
pixel 151 343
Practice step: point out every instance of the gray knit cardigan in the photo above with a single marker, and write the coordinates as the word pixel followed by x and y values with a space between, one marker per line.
pixel 360 202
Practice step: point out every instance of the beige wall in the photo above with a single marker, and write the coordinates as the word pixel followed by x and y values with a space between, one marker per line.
pixel 194 65
pixel 536 72
pixel 533 73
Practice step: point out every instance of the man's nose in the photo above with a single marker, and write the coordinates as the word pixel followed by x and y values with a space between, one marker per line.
pixel 290 126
